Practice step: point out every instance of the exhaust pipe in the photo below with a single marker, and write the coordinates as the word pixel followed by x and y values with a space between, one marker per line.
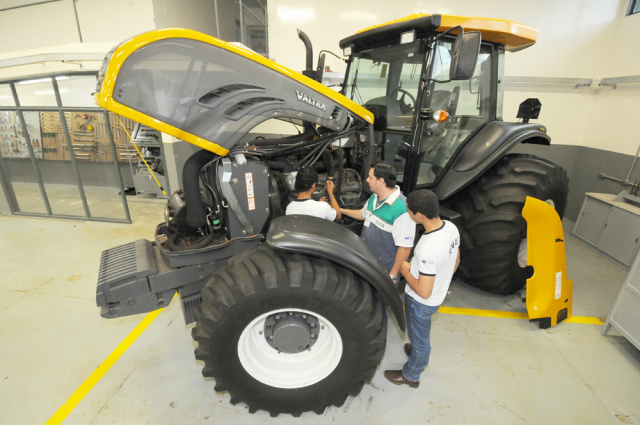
pixel 309 71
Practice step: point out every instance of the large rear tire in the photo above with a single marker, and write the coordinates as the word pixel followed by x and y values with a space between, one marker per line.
pixel 313 301
pixel 493 226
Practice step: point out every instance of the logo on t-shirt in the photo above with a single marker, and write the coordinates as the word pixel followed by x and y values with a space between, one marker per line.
pixel 453 245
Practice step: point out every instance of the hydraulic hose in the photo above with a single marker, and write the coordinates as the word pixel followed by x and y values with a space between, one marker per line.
pixel 329 163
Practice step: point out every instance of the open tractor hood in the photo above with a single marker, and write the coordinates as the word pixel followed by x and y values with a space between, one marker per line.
pixel 211 93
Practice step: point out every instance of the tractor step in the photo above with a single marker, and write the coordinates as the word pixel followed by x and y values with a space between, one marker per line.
pixel 190 306
pixel 123 285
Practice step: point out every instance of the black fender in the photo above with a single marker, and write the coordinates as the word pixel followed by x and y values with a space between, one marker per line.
pixel 484 149
pixel 331 241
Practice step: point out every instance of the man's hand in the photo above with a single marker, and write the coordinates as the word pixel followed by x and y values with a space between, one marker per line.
pixel 405 268
pixel 332 199
pixel 329 186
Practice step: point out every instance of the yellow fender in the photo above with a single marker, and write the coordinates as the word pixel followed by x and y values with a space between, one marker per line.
pixel 549 293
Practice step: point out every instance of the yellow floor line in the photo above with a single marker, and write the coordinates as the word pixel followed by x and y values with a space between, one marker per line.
pixel 584 320
pixel 93 379
pixel 483 313
pixel 512 315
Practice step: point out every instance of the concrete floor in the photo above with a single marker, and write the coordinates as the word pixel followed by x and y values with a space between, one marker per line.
pixel 482 370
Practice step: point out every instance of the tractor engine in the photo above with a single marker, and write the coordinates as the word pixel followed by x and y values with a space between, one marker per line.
pixel 237 196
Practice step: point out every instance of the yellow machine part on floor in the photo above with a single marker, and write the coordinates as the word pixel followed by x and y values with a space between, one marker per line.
pixel 549 293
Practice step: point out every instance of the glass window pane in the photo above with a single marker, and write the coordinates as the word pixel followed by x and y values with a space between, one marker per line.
pixel 12 138
pixel 382 76
pixel 99 176
pixel 94 159
pixel 38 92
pixel 19 167
pixel 75 91
pixel 6 97
pixel 24 183
pixel 60 181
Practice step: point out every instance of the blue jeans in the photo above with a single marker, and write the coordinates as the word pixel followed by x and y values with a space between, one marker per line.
pixel 419 330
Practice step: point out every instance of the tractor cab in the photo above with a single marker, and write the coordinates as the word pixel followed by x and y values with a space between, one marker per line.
pixel 430 84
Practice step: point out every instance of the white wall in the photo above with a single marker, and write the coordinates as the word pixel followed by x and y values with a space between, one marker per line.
pixel 52 28
pixel 37 26
pixel 198 15
pixel 114 21
pixel 53 24
pixel 576 38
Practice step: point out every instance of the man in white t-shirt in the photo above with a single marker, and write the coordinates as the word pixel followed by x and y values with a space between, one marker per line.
pixel 305 185
pixel 436 258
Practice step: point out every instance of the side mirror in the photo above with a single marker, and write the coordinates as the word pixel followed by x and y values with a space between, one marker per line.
pixel 465 55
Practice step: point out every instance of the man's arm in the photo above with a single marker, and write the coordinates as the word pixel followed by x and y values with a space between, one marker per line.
pixel 401 256
pixel 457 262
pixel 357 214
pixel 422 286
pixel 334 203
pixel 403 233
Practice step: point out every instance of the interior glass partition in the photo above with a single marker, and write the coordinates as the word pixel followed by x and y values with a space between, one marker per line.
pixel 18 167
pixel 59 156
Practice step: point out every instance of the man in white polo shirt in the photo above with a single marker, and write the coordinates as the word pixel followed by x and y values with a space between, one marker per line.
pixel 428 276
pixel 305 185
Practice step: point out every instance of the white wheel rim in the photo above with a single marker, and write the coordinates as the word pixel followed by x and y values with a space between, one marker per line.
pixel 285 370
pixel 522 251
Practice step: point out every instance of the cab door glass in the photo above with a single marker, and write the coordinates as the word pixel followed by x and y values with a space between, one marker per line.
pixel 468 103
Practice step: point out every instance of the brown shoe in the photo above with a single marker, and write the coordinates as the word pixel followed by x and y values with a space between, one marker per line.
pixel 396 377
pixel 408 349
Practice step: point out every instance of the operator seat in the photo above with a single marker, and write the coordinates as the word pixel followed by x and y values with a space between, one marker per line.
pixel 386 110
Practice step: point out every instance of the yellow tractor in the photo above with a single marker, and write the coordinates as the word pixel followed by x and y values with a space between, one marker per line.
pixel 290 312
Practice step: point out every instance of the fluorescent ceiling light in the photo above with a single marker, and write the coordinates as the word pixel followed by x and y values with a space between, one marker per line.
pixel 43 80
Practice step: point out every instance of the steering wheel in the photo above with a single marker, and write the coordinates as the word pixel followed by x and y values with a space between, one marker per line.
pixel 404 106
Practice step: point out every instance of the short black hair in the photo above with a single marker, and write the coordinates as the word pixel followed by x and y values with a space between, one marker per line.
pixel 306 177
pixel 384 170
pixel 425 202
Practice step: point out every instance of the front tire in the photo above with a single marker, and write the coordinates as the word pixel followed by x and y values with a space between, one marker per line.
pixel 493 227
pixel 256 332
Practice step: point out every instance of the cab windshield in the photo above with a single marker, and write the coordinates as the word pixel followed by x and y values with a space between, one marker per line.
pixel 385 80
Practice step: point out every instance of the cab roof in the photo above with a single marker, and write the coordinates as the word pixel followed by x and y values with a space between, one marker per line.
pixel 512 35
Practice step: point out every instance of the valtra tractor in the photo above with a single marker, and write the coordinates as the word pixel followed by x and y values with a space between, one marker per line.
pixel 290 311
